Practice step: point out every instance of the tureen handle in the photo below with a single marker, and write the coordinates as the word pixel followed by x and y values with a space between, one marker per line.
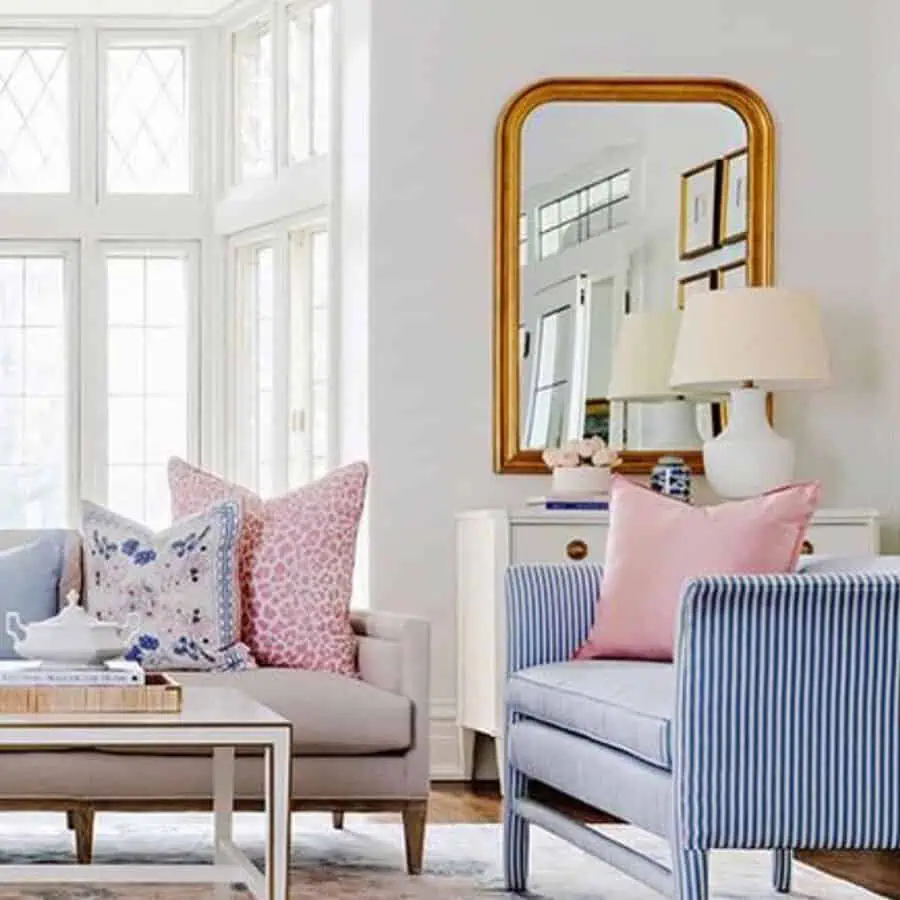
pixel 128 630
pixel 14 626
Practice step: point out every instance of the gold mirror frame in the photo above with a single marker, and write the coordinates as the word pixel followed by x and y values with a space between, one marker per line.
pixel 509 458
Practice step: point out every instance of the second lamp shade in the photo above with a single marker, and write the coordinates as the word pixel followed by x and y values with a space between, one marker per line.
pixel 642 358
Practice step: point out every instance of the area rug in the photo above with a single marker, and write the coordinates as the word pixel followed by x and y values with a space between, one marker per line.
pixel 366 861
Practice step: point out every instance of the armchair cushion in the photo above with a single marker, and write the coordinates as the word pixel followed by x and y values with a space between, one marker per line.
pixel 624 705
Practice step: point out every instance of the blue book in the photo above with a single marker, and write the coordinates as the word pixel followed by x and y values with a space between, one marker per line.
pixel 597 505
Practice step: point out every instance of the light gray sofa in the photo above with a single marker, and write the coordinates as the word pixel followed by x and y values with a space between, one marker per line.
pixel 359 745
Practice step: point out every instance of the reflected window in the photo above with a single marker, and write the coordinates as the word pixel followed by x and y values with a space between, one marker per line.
pixel 551 385
pixel 582 214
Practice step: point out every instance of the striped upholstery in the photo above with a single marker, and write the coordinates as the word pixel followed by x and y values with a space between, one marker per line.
pixel 550 610
pixel 787 722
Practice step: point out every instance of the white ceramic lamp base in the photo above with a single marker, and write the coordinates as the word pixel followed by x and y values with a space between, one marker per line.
pixel 748 458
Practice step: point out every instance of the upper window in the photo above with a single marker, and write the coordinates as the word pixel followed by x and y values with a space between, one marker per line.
pixel 253 103
pixel 34 117
pixel 148 118
pixel 582 214
pixel 309 79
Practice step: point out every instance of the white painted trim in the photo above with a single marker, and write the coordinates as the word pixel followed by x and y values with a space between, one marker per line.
pixel 446 759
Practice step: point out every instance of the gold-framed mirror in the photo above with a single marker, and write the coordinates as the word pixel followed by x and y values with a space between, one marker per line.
pixel 615 196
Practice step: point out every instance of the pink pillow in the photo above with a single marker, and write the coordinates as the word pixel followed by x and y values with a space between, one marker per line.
pixel 295 563
pixel 656 543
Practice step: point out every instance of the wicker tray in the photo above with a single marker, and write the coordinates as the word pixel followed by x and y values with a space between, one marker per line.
pixel 160 694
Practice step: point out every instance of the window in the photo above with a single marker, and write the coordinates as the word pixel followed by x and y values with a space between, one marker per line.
pixel 578 216
pixel 147 376
pixel 148 135
pixel 523 239
pixel 34 117
pixel 34 390
pixel 283 305
pixel 253 102
pixel 309 79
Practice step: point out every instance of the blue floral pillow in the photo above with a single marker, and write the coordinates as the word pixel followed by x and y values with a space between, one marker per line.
pixel 181 582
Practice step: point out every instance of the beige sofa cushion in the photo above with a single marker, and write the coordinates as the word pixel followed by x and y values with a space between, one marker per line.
pixel 332 715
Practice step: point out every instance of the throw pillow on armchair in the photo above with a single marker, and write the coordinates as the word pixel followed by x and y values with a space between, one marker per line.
pixel 656 544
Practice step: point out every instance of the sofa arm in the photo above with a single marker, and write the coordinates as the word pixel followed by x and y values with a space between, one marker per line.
pixel 395 655
pixel 549 612
pixel 787 721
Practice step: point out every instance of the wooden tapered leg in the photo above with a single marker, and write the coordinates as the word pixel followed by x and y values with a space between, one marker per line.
pixel 70 819
pixel 83 826
pixel 414 818
pixel 337 819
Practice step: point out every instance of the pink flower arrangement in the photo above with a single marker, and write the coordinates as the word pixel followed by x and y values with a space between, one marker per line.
pixel 585 452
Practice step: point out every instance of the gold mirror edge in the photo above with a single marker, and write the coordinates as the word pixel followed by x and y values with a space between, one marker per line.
pixel 758 120
pixel 635 462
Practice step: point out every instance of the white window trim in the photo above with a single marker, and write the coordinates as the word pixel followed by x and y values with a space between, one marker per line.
pixel 197 138
pixel 94 373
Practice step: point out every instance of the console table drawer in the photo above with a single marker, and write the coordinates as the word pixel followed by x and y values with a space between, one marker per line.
pixel 558 543
pixel 842 540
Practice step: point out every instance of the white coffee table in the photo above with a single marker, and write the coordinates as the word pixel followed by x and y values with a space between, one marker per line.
pixel 222 719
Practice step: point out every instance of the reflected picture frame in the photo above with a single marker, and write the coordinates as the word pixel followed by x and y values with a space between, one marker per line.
pixel 733 197
pixel 698 219
pixel 732 275
pixel 596 418
pixel 707 280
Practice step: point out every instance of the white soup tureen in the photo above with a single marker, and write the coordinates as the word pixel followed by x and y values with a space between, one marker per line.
pixel 71 638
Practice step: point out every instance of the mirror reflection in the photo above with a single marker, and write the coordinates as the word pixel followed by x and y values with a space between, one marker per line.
pixel 625 209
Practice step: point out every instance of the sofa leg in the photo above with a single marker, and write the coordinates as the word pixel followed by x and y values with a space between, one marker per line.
pixel 516 837
pixel 781 871
pixel 690 872
pixel 83 826
pixel 337 819
pixel 414 818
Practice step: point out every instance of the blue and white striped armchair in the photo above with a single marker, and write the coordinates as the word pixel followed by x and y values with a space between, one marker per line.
pixel 777 726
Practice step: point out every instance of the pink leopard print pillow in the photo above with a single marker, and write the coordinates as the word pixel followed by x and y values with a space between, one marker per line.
pixel 296 563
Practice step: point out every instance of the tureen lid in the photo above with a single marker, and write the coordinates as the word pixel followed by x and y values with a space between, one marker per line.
pixel 73 616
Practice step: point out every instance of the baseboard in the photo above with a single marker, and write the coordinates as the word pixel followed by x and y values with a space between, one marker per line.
pixel 446 764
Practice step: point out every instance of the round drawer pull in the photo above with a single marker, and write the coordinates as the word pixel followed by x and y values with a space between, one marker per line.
pixel 576 550
pixel 807 547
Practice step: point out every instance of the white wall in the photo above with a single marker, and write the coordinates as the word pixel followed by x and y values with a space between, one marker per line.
pixel 441 70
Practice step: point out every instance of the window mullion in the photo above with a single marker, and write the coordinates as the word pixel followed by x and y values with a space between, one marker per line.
pixel 281 309
pixel 280 122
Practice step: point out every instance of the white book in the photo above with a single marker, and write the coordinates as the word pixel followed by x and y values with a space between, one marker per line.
pixel 33 673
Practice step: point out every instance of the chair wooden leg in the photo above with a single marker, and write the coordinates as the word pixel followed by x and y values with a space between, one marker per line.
pixel 414 817
pixel 337 819
pixel 70 819
pixel 83 826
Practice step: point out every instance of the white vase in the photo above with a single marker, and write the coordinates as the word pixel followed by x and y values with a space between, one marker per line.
pixel 581 480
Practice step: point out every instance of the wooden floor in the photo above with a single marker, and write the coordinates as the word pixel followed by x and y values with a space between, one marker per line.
pixel 878 872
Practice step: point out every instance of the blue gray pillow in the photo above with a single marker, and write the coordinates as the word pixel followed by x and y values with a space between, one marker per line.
pixel 29 583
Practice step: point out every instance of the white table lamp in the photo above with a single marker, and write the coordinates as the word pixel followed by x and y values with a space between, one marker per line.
pixel 641 368
pixel 749 341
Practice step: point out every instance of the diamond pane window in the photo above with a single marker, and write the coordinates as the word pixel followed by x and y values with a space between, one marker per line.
pixel 34 118
pixel 309 79
pixel 147 380
pixel 33 392
pixel 147 120
pixel 253 101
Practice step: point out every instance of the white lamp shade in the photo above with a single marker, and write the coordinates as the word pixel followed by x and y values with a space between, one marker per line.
pixel 642 359
pixel 769 337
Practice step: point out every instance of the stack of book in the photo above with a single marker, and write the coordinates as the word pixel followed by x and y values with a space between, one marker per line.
pixel 572 501
pixel 33 673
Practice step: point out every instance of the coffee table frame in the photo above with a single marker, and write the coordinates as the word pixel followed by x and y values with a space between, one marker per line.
pixel 231 865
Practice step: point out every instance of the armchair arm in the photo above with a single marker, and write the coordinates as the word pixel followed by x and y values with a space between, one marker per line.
pixel 549 612
pixel 787 723
pixel 395 655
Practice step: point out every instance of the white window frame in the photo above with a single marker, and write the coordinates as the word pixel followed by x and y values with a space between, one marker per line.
pixel 157 37
pixel 94 374
pixel 242 339
pixel 15 35
pixel 69 251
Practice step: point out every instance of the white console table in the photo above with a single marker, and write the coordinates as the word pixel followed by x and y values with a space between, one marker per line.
pixel 489 540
